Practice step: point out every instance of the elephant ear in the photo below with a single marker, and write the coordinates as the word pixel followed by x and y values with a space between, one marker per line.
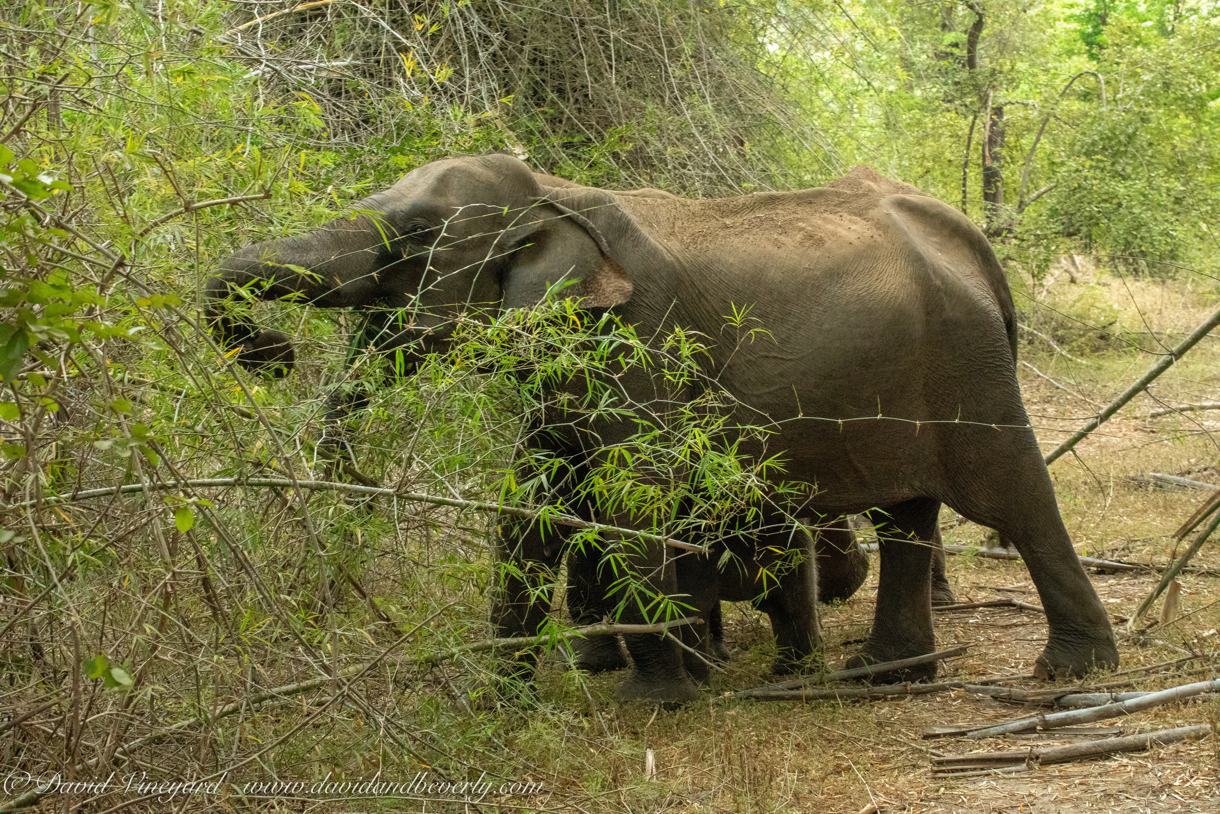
pixel 562 245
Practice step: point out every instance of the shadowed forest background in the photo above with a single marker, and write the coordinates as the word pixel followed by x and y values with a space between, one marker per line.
pixel 173 601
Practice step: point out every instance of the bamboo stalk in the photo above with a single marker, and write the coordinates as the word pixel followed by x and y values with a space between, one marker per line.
pixel 375 491
pixel 880 691
pixel 1134 390
pixel 1173 571
pixel 979 762
pixel 1130 743
pixel 1088 715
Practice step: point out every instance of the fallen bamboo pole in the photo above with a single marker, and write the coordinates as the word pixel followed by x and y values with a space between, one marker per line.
pixel 980 762
pixel 1134 390
pixel 880 691
pixel 1084 716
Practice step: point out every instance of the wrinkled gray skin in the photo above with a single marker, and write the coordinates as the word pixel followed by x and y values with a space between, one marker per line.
pixel 887 365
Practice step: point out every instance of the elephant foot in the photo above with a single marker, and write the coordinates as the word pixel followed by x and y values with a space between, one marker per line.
pixel 942 594
pixel 598 654
pixel 1062 659
pixel 786 666
pixel 719 651
pixel 668 692
pixel 878 653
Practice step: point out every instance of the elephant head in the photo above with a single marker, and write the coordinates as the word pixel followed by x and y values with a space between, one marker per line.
pixel 462 234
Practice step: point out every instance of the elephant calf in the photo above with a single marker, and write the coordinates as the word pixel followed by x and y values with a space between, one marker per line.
pixel 884 367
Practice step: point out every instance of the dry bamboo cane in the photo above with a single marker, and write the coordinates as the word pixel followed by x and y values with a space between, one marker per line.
pixel 1084 716
pixel 1137 388
pixel 1173 571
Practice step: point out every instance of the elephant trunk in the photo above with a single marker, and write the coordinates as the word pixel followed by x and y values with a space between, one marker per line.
pixel 333 267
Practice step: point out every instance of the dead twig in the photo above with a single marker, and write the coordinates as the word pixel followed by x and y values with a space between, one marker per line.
pixel 1186 408
pixel 416 497
pixel 991 603
pixel 855 672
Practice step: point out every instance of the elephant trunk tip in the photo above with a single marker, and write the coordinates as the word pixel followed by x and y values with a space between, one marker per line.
pixel 264 351
pixel 268 352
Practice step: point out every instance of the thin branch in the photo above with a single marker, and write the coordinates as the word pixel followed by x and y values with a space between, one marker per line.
pixel 273 15
pixel 601 628
pixel 846 675
pixel 1022 201
pixel 188 207
pixel 1017 760
pixel 544 516
pixel 1051 342
pixel 1140 386
pixel 1186 408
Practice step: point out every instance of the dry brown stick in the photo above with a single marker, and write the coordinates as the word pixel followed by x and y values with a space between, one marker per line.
pixel 1173 570
pixel 1090 714
pixel 189 206
pixel 821 693
pixel 1082 700
pixel 991 603
pixel 1185 408
pixel 600 628
pixel 20 719
pixel 1202 512
pixel 268 17
pixel 1005 554
pixel 857 672
pixel 1131 743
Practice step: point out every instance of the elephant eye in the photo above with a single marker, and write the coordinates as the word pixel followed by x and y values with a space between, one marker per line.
pixel 417 231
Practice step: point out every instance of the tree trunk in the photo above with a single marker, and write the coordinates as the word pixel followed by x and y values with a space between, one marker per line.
pixel 993 178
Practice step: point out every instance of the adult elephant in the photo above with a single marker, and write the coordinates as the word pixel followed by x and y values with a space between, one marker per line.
pixel 887 366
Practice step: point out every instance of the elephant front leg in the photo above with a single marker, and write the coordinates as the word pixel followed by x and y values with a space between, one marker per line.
pixel 524 581
pixel 902 622
pixel 658 672
pixel 586 600
pixel 792 606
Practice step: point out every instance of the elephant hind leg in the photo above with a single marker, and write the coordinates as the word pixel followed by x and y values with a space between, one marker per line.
pixel 719 651
pixel 902 621
pixel 1016 499
pixel 942 594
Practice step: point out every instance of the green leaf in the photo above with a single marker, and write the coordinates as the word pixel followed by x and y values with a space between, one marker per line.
pixel 118 677
pixel 9 411
pixel 95 667
pixel 184 518
pixel 6 155
pixel 13 351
